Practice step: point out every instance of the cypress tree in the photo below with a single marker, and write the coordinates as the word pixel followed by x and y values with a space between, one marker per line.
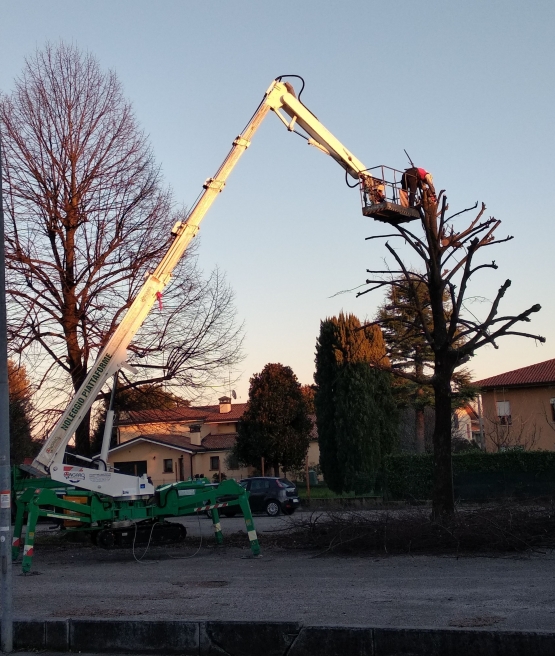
pixel 355 411
pixel 325 377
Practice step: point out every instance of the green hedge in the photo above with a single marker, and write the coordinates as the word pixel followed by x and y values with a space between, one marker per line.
pixel 476 474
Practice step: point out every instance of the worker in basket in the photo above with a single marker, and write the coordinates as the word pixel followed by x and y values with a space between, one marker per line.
pixel 412 179
pixel 374 189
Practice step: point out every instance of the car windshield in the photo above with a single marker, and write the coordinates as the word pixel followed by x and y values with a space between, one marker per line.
pixel 243 484
pixel 285 482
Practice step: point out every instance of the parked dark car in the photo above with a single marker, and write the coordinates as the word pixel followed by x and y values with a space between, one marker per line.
pixel 271 494
pixel 268 494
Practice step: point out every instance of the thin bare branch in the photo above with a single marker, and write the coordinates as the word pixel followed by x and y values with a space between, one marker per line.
pixel 87 215
pixel 467 209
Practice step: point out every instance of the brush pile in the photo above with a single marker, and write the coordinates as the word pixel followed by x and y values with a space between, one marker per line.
pixel 499 528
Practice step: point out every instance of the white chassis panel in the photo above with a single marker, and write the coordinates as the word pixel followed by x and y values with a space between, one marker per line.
pixel 104 482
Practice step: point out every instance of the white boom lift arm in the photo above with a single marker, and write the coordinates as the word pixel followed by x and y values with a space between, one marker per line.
pixel 279 96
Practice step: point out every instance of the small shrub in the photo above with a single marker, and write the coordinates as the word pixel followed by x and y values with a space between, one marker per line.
pixel 363 483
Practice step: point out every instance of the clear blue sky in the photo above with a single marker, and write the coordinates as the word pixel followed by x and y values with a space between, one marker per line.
pixel 466 87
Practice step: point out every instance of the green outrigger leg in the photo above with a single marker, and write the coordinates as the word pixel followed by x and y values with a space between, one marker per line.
pixel 251 531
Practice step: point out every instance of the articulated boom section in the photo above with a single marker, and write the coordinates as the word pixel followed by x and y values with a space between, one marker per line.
pixel 113 501
pixel 114 354
pixel 321 137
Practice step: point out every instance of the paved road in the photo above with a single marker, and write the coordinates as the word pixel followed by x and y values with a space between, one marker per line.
pixel 227 584
pixel 184 582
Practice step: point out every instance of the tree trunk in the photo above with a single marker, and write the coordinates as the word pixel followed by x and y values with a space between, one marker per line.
pixel 420 427
pixel 78 375
pixel 82 436
pixel 443 497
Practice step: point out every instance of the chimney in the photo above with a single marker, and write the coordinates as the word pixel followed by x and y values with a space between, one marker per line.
pixel 195 434
pixel 225 404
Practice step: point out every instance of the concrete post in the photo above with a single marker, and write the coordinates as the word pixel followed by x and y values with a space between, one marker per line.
pixel 6 624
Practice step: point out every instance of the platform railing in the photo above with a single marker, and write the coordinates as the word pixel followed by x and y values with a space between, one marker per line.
pixel 384 184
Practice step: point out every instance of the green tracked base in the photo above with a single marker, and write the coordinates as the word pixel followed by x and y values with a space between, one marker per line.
pixel 99 513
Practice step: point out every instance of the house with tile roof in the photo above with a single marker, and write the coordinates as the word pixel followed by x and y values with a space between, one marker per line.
pixel 518 408
pixel 466 423
pixel 179 443
pixel 176 444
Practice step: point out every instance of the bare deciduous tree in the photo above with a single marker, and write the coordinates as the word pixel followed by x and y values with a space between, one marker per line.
pixel 87 216
pixel 520 433
pixel 447 257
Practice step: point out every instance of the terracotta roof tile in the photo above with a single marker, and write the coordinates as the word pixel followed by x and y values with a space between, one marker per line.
pixel 209 443
pixel 535 374
pixel 470 411
pixel 180 441
pixel 224 441
pixel 206 413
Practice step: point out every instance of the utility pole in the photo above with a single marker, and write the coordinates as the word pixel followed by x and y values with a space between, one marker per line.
pixel 6 624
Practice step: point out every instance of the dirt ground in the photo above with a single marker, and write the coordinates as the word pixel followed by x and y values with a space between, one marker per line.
pixel 226 583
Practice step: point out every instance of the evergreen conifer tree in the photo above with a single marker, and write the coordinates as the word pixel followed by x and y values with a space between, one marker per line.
pixel 325 377
pixel 21 442
pixel 275 425
pixel 355 411
pixel 400 318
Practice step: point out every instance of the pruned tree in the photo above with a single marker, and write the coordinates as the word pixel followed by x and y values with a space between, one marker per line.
pixel 447 257
pixel 355 410
pixel 275 425
pixel 87 217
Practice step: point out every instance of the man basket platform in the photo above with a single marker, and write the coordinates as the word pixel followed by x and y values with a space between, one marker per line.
pixel 383 196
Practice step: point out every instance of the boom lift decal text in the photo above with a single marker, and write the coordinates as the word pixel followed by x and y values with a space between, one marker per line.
pixel 90 385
